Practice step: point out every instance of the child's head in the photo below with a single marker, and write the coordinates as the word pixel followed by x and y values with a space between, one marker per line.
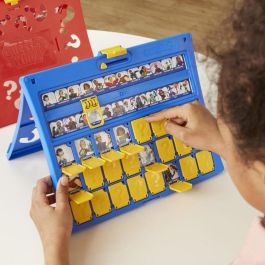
pixel 120 131
pixel 60 152
pixel 83 144
pixel 241 99
pixel 45 98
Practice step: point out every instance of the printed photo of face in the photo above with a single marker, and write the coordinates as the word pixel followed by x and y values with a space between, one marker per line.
pixel 171 175
pixel 151 97
pixel 139 102
pixel 134 73
pixel 118 108
pixel 183 87
pixel 61 95
pixel 147 156
pixel 103 142
pixel 57 128
pixel 166 64
pixel 73 91
pixel 84 148
pixel 87 88
pixel 163 93
pixel 64 155
pixel 111 81
pixel 123 77
pixel 99 84
pixel 128 106
pixel 107 112
pixel 145 70
pixel 94 117
pixel 144 99
pixel 156 67
pixel 48 99
pixel 81 120
pixel 122 135
pixel 70 124
pixel 132 102
pixel 172 90
pixel 178 61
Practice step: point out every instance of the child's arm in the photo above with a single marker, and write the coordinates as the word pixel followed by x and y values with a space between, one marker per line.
pixel 54 224
pixel 194 125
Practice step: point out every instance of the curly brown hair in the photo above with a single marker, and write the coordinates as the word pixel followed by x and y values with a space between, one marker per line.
pixel 241 85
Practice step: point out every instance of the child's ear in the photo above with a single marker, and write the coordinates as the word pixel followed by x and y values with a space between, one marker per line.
pixel 259 167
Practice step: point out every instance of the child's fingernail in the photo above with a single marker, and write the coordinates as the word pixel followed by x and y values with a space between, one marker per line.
pixel 64 181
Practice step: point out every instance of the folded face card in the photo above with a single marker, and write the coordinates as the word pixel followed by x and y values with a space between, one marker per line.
pixel 90 117
pixel 36 35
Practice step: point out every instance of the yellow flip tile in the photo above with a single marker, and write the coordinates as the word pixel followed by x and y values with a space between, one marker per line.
pixel 181 148
pixel 119 195
pixel 82 212
pixel 131 164
pixel 131 149
pixel 155 182
pixel 112 171
pixel 137 188
pixel 73 170
pixel 112 155
pixel 156 168
pixel 165 149
pixel 141 130
pixel 180 186
pixel 81 197
pixel 158 128
pixel 189 167
pixel 93 162
pixel 93 178
pixel 205 161
pixel 101 203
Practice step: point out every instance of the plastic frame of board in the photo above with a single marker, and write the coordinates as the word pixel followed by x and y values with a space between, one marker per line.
pixel 34 85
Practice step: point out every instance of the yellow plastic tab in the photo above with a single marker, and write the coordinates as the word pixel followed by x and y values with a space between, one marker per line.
pixel 180 186
pixel 158 128
pixel 131 164
pixel 181 148
pixel 141 130
pixel 156 168
pixel 93 111
pixel 112 156
pixel 137 188
pixel 119 195
pixel 165 149
pixel 73 170
pixel 155 182
pixel 131 149
pixel 205 161
pixel 112 171
pixel 103 66
pixel 189 167
pixel 82 212
pixel 93 178
pixel 114 51
pixel 11 2
pixel 93 162
pixel 101 203
pixel 81 197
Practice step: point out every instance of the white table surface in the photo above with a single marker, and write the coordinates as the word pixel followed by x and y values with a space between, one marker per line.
pixel 204 226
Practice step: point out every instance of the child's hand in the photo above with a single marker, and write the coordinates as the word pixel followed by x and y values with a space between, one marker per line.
pixel 53 223
pixel 194 125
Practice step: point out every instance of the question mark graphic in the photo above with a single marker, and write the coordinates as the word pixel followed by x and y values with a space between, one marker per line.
pixel 13 87
pixel 75 43
pixel 35 137
pixel 70 13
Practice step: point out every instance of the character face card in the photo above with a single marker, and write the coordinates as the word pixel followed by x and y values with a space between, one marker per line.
pixel 48 99
pixel 99 84
pixel 184 87
pixel 111 81
pixel 145 70
pixel 163 93
pixel 151 97
pixel 81 120
pixel 87 88
pixel 84 148
pixel 134 73
pixel 178 61
pixel 107 112
pixel 103 142
pixel 122 135
pixel 118 108
pixel 64 155
pixel 147 156
pixel 57 128
pixel 173 90
pixel 73 91
pixel 123 77
pixel 61 95
pixel 128 105
pixel 70 124
pixel 166 64
pixel 171 175
pixel 156 67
